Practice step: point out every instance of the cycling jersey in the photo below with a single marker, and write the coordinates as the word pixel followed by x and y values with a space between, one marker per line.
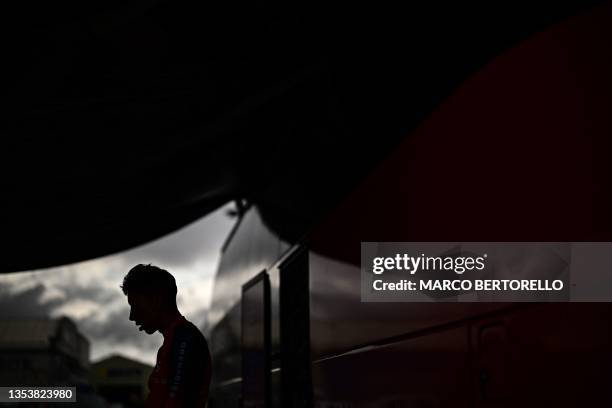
pixel 182 374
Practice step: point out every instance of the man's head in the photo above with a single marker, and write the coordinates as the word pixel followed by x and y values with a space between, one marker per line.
pixel 151 293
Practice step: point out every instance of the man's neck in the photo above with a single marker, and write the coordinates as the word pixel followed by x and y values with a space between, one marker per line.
pixel 168 319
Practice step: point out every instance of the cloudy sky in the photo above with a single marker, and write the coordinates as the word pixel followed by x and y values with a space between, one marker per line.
pixel 89 292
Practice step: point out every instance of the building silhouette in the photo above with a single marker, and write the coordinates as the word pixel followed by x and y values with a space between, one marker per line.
pixel 121 381
pixel 42 352
pixel 46 352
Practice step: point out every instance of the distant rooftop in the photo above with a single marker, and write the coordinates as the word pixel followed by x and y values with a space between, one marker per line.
pixel 118 359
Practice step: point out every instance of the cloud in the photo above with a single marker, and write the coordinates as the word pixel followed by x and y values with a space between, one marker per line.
pixel 28 303
pixel 93 291
pixel 199 240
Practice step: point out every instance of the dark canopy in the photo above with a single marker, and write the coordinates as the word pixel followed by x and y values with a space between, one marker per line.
pixel 125 122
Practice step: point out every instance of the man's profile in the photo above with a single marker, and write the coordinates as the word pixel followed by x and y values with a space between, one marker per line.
pixel 181 377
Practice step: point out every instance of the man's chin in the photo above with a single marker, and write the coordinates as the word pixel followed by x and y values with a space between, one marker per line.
pixel 147 330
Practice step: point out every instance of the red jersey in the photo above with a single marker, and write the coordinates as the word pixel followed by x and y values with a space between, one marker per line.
pixel 181 377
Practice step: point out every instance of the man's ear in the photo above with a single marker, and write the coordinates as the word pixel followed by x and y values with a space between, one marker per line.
pixel 154 302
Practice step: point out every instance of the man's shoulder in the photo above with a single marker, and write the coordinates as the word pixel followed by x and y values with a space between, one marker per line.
pixel 188 332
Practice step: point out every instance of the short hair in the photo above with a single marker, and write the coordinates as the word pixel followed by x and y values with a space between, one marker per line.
pixel 150 279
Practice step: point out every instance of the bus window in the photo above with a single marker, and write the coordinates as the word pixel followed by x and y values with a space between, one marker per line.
pixel 256 342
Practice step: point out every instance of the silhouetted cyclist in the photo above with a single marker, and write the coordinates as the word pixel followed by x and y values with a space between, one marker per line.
pixel 181 377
